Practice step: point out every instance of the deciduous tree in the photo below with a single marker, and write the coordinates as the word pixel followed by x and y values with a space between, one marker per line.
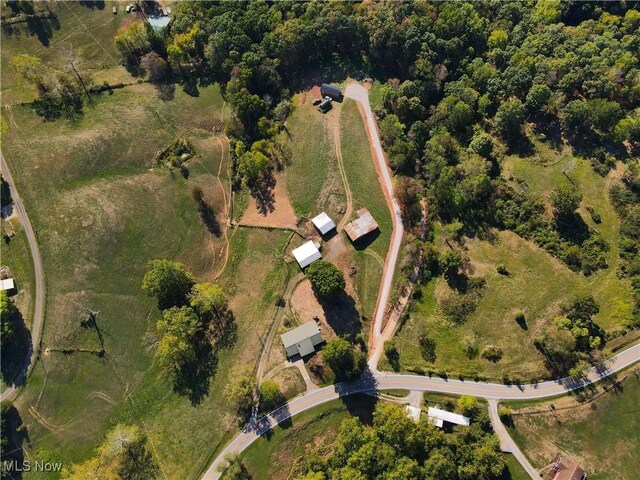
pixel 168 281
pixel 326 279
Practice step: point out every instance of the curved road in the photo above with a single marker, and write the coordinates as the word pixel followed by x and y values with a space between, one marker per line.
pixel 38 308
pixel 361 95
pixel 374 381
pixel 382 381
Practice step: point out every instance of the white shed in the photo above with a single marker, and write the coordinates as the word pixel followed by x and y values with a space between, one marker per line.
pixel 323 223
pixel 7 284
pixel 306 254
pixel 302 340
pixel 438 417
pixel 413 413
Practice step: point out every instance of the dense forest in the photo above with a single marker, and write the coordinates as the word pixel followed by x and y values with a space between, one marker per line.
pixel 395 448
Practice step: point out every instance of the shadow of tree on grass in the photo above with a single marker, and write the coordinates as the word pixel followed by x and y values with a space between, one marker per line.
pixel 16 352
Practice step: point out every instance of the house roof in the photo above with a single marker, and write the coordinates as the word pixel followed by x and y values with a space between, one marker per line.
pixel 443 416
pixel 299 334
pixel 323 223
pixel 306 254
pixel 365 223
pixel 7 284
pixel 568 470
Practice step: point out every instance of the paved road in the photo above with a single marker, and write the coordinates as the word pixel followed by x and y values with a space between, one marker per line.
pixel 382 381
pixel 506 442
pixel 361 95
pixel 38 309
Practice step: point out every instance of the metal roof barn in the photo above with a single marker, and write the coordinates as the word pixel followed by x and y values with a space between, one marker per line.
pixel 302 340
pixel 306 254
pixel 361 226
pixel 323 223
pixel 438 417
pixel 7 284
pixel 331 91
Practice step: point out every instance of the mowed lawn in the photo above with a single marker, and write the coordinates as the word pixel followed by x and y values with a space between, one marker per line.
pixel 369 254
pixel 603 436
pixel 312 177
pixel 537 284
pixel 101 210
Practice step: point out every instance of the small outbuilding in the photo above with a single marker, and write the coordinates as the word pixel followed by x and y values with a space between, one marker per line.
pixel 307 253
pixel 413 413
pixel 323 223
pixel 158 23
pixel 302 340
pixel 7 284
pixel 331 91
pixel 438 417
pixel 325 104
pixel 361 226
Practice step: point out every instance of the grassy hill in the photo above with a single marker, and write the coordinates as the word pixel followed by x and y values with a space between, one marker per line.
pixel 537 284
pixel 601 435
pixel 101 209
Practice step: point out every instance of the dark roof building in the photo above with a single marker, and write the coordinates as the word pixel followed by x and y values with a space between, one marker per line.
pixel 331 91
pixel 361 226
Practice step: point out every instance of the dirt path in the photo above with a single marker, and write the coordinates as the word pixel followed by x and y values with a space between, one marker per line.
pixel 38 309
pixel 273 329
pixel 227 204
pixel 361 95
pixel 280 213
pixel 334 129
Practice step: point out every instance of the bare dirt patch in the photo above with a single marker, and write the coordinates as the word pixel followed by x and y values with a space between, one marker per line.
pixel 312 94
pixel 282 214
pixel 305 307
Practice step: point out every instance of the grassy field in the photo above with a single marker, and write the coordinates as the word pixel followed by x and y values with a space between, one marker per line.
pixel 312 176
pixel 367 192
pixel 602 436
pixel 78 27
pixel 537 285
pixel 101 210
